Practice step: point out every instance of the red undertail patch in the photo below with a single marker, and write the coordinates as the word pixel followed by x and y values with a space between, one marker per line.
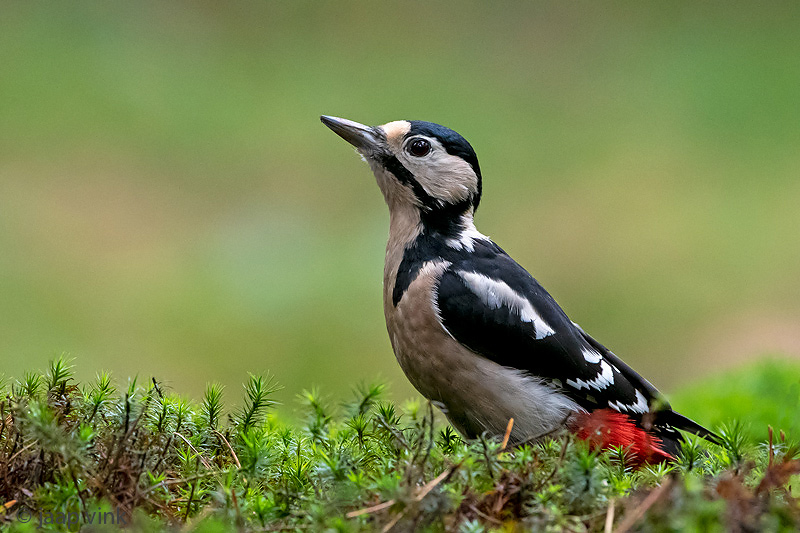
pixel 606 428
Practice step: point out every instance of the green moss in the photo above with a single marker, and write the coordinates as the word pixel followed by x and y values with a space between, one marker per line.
pixel 71 455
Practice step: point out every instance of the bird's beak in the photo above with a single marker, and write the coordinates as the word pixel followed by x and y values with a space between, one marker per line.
pixel 366 139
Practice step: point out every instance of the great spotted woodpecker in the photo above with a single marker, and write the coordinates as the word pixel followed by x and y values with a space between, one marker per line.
pixel 473 331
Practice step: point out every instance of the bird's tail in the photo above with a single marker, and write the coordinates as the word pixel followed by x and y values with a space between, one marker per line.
pixel 668 422
pixel 678 421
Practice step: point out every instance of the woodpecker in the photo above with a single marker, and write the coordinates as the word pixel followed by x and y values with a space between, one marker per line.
pixel 473 331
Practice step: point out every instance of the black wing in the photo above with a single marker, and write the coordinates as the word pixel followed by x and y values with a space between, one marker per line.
pixel 492 305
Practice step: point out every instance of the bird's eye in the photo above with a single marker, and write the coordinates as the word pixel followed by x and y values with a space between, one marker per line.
pixel 419 147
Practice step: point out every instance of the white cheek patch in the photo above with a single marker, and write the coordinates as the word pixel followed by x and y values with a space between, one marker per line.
pixel 444 176
pixel 496 293
pixel 604 378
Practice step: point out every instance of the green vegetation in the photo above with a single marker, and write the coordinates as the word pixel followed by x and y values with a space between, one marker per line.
pixel 72 454
pixel 169 199
pixel 758 394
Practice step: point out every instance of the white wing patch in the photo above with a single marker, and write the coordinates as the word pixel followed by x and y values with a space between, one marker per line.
pixel 639 407
pixel 604 378
pixel 591 356
pixel 496 293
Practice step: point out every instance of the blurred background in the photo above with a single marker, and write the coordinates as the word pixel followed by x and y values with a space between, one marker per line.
pixel 171 206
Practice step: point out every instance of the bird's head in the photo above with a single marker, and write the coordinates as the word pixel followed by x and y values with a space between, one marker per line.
pixel 418 165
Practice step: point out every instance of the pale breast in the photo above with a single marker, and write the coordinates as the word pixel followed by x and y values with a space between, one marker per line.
pixel 475 393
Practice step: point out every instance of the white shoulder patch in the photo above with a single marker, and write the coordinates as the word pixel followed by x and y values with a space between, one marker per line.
pixel 466 239
pixel 496 293
pixel 604 378
pixel 434 267
pixel 639 407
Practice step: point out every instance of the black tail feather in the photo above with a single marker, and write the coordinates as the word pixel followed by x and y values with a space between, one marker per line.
pixel 678 421
pixel 666 425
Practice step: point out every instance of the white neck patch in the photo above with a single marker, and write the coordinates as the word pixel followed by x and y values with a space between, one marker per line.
pixel 467 237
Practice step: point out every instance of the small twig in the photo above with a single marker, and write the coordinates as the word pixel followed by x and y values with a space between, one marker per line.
pixel 392 523
pixel 168 482
pixel 655 494
pixel 507 436
pixel 423 491
pixel 199 455
pixel 10 459
pixel 609 526
pixel 369 510
pixel 230 448
pixel 395 433
pixel 443 477
pixel 484 515
pixel 239 521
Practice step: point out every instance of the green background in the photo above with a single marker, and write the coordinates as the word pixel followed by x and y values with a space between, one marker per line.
pixel 170 204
